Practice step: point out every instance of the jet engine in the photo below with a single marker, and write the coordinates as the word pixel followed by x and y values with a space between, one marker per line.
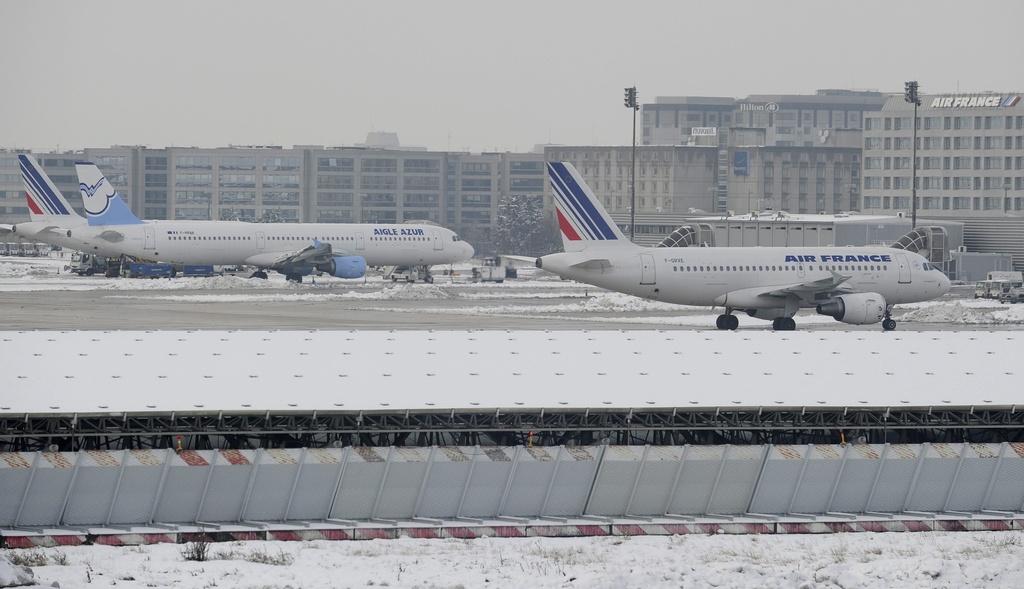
pixel 859 308
pixel 346 266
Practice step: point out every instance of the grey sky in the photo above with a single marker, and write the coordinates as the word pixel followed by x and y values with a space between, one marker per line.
pixel 468 74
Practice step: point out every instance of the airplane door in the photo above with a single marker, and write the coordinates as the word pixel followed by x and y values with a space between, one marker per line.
pixel 647 269
pixel 261 241
pixel 150 237
pixel 360 242
pixel 438 242
pixel 800 272
pixel 904 265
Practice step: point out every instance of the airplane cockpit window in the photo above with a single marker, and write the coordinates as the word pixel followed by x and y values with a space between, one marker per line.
pixel 455 237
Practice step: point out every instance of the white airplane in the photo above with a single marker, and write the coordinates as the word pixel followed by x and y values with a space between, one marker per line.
pixel 293 249
pixel 52 219
pixel 857 285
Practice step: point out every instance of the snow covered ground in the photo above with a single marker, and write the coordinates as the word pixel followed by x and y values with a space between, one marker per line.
pixel 939 559
pixel 535 295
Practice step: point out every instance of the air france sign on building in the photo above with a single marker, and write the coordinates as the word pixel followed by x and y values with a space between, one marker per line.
pixel 974 101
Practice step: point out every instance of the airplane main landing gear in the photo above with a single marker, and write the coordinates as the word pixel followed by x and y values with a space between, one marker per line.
pixel 783 324
pixel 888 324
pixel 259 274
pixel 296 278
pixel 727 321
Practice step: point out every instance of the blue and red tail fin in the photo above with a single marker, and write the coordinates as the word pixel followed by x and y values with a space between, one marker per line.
pixel 103 204
pixel 44 200
pixel 582 220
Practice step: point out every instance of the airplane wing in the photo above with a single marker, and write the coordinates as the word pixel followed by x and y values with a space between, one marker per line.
pixel 525 259
pixel 808 290
pixel 811 292
pixel 315 253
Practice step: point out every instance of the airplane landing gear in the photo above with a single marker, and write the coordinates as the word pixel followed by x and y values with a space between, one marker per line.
pixel 296 278
pixel 888 324
pixel 727 321
pixel 783 324
pixel 259 274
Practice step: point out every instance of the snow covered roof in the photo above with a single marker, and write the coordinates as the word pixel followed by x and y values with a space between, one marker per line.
pixel 786 217
pixel 208 371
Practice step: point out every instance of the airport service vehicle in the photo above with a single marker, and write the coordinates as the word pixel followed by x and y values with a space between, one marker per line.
pixel 147 270
pixel 491 271
pixel 409 274
pixel 199 270
pixel 855 285
pixel 86 264
pixel 293 249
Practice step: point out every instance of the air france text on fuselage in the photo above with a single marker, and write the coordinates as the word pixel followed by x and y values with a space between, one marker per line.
pixel 841 258
pixel 388 231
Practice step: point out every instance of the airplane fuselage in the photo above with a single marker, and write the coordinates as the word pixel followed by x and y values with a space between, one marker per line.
pixel 237 242
pixel 735 276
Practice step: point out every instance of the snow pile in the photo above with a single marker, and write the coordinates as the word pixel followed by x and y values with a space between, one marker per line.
pixel 404 292
pixel 19 269
pixel 12 575
pixel 946 559
pixel 966 313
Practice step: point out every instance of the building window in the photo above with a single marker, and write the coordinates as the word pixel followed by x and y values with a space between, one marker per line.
pixel 379 165
pixel 334 164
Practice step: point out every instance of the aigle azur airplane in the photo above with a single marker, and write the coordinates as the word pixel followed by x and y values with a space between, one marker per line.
pixel 856 285
pixel 111 229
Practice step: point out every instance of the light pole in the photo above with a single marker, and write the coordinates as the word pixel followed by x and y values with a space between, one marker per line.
pixel 910 95
pixel 631 103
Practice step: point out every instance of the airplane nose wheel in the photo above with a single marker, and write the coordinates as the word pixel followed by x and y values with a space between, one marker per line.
pixel 888 324
pixel 727 321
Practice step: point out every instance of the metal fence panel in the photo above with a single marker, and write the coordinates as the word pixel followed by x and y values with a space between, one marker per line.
pixel 697 479
pixel 737 479
pixel 818 479
pixel 490 479
pixel 898 468
pixel 620 466
pixel 651 493
pixel 225 495
pixel 272 484
pixel 860 470
pixel 360 483
pixel 530 481
pixel 184 480
pixel 140 481
pixel 1008 491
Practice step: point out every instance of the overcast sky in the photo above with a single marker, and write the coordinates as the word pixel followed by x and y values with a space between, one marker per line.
pixel 455 75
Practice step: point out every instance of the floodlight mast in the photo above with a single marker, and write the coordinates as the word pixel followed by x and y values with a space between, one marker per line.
pixel 630 102
pixel 910 94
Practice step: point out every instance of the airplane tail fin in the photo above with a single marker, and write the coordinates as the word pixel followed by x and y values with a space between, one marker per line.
pixel 103 204
pixel 44 200
pixel 582 220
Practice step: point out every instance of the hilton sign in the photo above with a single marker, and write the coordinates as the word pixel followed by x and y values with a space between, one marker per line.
pixel 974 101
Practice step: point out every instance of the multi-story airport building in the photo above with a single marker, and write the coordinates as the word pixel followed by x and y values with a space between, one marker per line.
pixel 799 153
pixel 302 183
pixel 970 165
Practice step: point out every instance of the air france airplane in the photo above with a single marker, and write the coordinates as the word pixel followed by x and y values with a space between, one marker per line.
pixel 52 219
pixel 293 249
pixel 857 285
